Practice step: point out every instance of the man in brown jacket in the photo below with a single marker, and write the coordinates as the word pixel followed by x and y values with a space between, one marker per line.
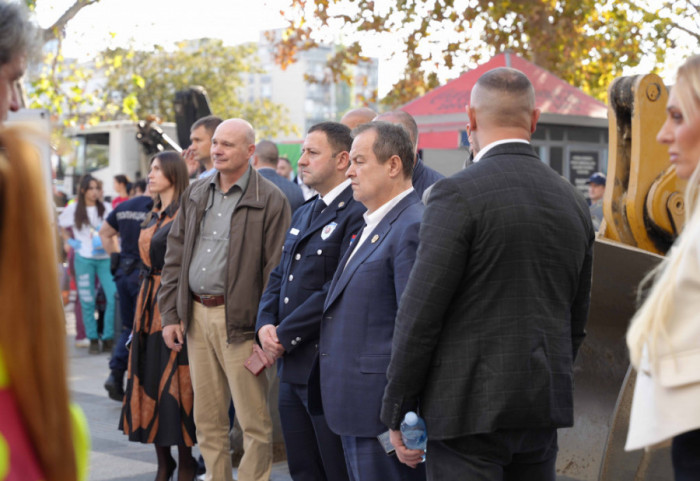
pixel 224 242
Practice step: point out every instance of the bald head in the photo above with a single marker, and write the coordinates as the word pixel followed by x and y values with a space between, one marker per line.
pixel 232 145
pixel 356 117
pixel 405 120
pixel 267 153
pixel 239 126
pixel 502 106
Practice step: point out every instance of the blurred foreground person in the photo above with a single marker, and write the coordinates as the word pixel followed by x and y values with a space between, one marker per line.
pixel 158 400
pixel 18 38
pixel 39 433
pixel 664 336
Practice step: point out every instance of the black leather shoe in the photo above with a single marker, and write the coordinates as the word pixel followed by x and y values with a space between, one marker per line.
pixel 94 347
pixel 114 386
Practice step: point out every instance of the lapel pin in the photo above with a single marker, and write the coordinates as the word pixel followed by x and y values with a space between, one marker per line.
pixel 341 204
pixel 375 238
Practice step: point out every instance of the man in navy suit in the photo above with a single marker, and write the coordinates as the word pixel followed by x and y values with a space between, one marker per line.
pixel 359 312
pixel 423 176
pixel 494 311
pixel 289 316
pixel 265 161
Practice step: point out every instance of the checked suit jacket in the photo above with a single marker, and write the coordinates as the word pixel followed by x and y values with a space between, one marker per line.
pixel 494 311
pixel 358 321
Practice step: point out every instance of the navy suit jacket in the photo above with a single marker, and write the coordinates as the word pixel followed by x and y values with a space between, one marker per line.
pixel 289 188
pixel 424 177
pixel 293 299
pixel 358 321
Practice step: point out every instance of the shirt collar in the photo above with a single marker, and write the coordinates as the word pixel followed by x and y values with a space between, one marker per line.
pixel 242 182
pixel 483 151
pixel 376 217
pixel 335 192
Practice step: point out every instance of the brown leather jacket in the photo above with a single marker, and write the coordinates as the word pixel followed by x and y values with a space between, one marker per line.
pixel 258 227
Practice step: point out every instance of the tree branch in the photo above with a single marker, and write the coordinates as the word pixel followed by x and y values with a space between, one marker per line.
pixel 53 31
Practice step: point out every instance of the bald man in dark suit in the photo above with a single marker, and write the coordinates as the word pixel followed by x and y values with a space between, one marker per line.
pixel 495 307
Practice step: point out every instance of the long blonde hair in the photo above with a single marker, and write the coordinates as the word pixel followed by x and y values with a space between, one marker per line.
pixel 32 327
pixel 648 325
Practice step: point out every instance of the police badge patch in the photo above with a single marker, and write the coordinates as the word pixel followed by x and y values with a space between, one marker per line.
pixel 328 230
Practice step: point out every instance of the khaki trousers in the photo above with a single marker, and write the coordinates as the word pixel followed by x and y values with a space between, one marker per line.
pixel 218 373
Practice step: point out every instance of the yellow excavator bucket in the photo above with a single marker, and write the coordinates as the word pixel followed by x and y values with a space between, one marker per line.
pixel 643 214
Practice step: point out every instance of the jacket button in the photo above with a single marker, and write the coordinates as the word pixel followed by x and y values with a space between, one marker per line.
pixel 297 257
pixel 286 300
pixel 291 277
pixel 294 342
pixel 319 252
pixel 298 339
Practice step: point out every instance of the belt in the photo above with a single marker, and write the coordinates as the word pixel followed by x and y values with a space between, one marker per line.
pixel 209 301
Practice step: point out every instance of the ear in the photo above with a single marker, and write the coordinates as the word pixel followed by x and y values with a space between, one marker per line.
pixel 395 166
pixel 342 161
pixel 255 160
pixel 533 121
pixel 471 113
pixel 251 150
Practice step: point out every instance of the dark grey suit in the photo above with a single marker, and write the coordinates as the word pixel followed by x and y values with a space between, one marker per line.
pixel 495 307
pixel 291 190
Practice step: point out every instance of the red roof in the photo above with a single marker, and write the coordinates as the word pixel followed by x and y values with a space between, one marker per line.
pixel 552 94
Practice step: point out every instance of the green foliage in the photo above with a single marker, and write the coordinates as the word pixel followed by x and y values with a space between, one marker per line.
pixel 142 83
pixel 62 87
pixel 585 42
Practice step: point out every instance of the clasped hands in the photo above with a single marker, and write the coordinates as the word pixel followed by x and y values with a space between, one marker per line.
pixel 271 345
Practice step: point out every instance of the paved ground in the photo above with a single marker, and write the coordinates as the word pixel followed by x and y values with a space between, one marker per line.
pixel 113 457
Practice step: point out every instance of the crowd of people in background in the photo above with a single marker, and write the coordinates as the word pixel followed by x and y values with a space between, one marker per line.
pixel 373 284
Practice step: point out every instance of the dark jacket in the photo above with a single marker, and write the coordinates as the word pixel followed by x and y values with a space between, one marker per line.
pixel 258 225
pixel 495 308
pixel 424 177
pixel 289 188
pixel 293 299
pixel 358 321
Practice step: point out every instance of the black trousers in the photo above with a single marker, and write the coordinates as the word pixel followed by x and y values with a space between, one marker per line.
pixel 685 453
pixel 505 455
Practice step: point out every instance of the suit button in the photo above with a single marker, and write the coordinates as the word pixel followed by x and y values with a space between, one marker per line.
pixel 297 257
pixel 319 252
pixel 286 300
pixel 294 342
pixel 291 277
pixel 298 339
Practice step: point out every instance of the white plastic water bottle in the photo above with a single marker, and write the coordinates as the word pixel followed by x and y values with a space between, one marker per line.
pixel 413 432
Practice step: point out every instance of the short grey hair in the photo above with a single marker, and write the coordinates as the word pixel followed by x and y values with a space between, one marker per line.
pixel 18 36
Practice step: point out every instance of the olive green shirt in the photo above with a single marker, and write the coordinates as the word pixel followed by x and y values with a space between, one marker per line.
pixel 208 266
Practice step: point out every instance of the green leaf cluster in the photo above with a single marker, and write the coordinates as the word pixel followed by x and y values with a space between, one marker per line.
pixel 142 83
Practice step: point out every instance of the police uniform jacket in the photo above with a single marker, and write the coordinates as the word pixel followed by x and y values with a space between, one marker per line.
pixel 293 299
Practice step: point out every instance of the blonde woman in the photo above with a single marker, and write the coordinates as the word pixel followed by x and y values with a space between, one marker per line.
pixel 664 337
pixel 38 439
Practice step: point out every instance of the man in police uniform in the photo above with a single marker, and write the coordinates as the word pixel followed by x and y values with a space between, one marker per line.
pixel 290 310
pixel 124 222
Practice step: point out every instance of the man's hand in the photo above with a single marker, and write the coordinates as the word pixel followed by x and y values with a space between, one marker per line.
pixel 192 163
pixel 173 336
pixel 267 359
pixel 409 457
pixel 270 343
